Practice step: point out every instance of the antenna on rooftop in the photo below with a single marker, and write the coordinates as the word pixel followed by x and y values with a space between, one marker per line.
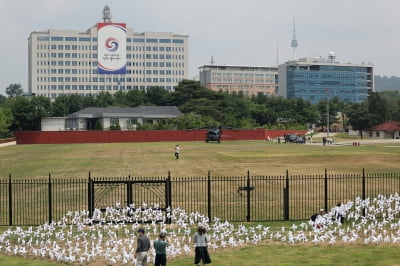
pixel 294 43
pixel 107 14
pixel 277 53
pixel 212 60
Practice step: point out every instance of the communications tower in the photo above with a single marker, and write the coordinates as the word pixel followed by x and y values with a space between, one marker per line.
pixel 294 43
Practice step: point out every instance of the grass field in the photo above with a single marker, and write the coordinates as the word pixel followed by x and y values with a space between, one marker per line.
pixel 274 254
pixel 197 158
pixel 225 159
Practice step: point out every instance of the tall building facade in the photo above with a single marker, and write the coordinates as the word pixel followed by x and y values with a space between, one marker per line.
pixel 315 79
pixel 66 62
pixel 235 79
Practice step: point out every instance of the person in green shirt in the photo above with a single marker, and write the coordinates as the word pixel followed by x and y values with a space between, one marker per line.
pixel 160 246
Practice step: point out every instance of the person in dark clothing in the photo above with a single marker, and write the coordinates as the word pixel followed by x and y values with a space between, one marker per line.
pixel 201 241
pixel 143 245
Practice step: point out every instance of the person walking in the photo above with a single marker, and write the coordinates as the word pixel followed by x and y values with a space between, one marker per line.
pixel 160 246
pixel 143 245
pixel 177 150
pixel 201 241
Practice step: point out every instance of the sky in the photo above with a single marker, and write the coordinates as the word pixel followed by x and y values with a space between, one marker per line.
pixel 234 32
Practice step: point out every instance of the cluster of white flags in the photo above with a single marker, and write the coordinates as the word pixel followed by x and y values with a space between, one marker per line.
pixel 110 237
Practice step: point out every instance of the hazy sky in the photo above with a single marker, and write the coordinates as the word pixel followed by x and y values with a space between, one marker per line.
pixel 235 32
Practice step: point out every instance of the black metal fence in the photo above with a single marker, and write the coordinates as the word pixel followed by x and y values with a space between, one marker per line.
pixel 234 198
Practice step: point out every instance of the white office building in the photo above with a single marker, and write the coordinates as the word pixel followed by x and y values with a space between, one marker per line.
pixel 249 80
pixel 66 61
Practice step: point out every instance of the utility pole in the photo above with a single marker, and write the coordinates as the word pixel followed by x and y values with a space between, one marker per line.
pixel 327 112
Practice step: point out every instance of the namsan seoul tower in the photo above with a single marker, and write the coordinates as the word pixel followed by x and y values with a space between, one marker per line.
pixel 294 43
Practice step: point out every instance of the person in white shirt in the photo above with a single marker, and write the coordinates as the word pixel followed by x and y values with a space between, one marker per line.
pixel 177 150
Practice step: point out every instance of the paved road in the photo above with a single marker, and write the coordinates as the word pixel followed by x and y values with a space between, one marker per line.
pixel 350 141
pixel 8 144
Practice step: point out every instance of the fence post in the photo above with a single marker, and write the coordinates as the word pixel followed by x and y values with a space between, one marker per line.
pixel 363 189
pixel 169 190
pixel 10 221
pixel 286 198
pixel 90 209
pixel 168 200
pixel 209 195
pixel 129 191
pixel 248 196
pixel 50 201
pixel 326 190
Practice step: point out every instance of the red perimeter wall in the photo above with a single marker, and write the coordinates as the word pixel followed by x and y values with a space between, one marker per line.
pixel 61 137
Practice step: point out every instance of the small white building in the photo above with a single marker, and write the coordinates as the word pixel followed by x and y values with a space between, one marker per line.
pixel 388 130
pixel 127 118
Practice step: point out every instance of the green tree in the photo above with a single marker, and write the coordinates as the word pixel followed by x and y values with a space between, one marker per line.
pixel 393 103
pixel 192 121
pixel 104 99
pixel 158 96
pixel 359 117
pixel 5 121
pixel 135 98
pixel 378 108
pixel 60 106
pixel 322 108
pixel 2 99
pixel 23 113
pixel 120 98
pixel 75 103
pixel 14 90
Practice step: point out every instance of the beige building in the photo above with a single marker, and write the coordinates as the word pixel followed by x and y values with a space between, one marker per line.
pixel 235 79
pixel 65 62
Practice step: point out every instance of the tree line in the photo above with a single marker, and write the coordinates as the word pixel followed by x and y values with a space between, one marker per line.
pixel 204 108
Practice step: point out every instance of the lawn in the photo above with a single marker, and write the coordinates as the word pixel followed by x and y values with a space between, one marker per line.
pixel 275 254
pixel 197 158
pixel 224 159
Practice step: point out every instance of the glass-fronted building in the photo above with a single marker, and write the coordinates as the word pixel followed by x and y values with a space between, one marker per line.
pixel 316 79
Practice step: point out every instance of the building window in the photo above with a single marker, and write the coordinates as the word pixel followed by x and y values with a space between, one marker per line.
pixel 42 38
pixel 56 38
pixel 177 41
pixel 84 39
pixel 114 121
pixel 132 121
pixel 71 39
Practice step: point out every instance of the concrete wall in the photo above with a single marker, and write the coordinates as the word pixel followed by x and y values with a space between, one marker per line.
pixel 53 124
